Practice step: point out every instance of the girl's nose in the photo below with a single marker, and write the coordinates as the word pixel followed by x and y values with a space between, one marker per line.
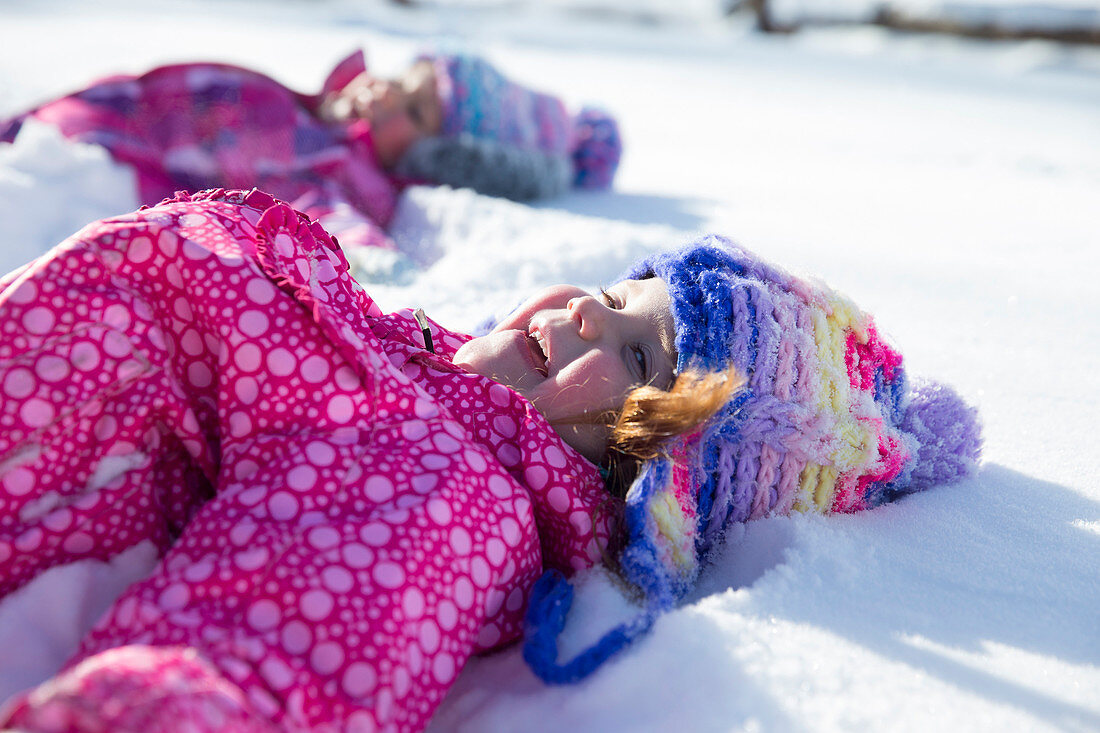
pixel 588 313
pixel 383 90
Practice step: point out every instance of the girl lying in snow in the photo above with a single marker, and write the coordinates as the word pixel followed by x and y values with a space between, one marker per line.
pixel 349 504
pixel 341 155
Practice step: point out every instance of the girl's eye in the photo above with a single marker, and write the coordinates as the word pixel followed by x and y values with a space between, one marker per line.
pixel 415 116
pixel 640 359
pixel 637 353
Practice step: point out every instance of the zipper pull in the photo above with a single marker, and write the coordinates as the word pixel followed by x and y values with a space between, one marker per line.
pixel 422 321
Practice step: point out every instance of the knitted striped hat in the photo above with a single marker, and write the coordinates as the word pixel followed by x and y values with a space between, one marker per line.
pixel 826 422
pixel 481 105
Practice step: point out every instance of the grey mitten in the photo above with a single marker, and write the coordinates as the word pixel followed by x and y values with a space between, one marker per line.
pixel 488 167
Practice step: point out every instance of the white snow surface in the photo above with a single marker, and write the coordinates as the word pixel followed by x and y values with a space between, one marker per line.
pixel 950 187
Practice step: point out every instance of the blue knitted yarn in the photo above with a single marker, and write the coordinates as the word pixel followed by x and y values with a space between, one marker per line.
pixel 700 299
pixel 597 149
pixel 641 560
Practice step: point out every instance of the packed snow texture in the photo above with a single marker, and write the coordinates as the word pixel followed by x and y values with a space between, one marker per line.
pixel 950 187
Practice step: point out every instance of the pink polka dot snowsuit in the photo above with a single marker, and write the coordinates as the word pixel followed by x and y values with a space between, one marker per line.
pixel 187 127
pixel 344 517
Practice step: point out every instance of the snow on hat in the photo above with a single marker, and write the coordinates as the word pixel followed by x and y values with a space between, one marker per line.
pixel 826 422
pixel 480 104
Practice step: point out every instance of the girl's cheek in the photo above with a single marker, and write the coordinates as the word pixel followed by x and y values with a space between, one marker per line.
pixel 597 383
pixel 393 137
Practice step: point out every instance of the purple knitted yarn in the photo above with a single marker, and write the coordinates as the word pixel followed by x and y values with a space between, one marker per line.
pixel 598 148
pixel 947 432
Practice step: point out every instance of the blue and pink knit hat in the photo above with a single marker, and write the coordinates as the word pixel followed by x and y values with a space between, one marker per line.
pixel 826 422
pixel 486 111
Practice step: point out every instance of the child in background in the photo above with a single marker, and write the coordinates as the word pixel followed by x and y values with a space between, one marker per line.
pixel 342 155
pixel 349 504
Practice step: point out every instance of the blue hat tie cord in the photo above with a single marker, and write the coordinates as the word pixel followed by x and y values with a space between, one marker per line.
pixel 551 600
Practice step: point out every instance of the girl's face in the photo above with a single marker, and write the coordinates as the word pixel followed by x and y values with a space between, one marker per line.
pixel 576 356
pixel 401 111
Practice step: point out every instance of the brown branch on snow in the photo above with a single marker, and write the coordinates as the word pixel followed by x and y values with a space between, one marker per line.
pixel 897 20
pixel 894 19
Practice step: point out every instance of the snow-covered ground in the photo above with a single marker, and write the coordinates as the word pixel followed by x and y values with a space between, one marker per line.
pixel 952 188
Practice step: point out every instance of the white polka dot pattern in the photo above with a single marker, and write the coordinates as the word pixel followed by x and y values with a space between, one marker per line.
pixel 344 516
pixel 153 690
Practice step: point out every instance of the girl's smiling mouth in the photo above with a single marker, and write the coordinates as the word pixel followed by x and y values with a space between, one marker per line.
pixel 537 351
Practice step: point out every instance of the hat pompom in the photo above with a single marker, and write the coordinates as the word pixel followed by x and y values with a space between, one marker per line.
pixel 597 149
pixel 947 433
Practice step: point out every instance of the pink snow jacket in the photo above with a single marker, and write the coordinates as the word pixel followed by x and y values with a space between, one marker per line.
pixel 344 516
pixel 197 126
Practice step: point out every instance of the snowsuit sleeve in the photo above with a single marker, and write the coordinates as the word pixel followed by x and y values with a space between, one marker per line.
pixel 357 543
pixel 204 125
